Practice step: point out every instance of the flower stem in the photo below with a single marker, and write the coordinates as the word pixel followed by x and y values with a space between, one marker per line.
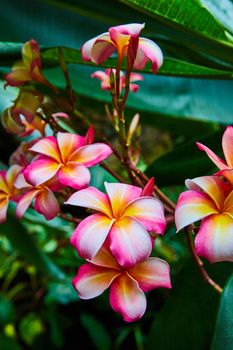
pixel 69 218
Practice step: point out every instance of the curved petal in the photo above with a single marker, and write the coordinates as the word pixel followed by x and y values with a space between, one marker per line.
pixel 120 195
pixel 227 145
pixel 90 235
pixel 3 208
pixel 41 170
pixel 215 159
pixel 91 155
pixel 148 50
pixel 132 29
pixel 130 243
pixel 216 188
pixel 17 77
pixel 193 206
pixel 47 146
pixel 68 144
pixel 105 258
pixel 86 49
pixel 227 173
pixel 91 280
pixel 127 298
pixel 12 174
pixel 149 211
pixel 25 202
pixel 214 240
pixel 74 175
pixel 91 198
pixel 3 183
pixel 135 77
pixel 104 78
pixel 102 49
pixel 152 273
pixel 47 204
pixel 20 182
pixel 228 205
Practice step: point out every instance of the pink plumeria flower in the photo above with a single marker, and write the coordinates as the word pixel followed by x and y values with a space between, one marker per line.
pixel 124 39
pixel 7 189
pixel 209 199
pixel 43 197
pixel 123 216
pixel 104 77
pixel 127 286
pixel 226 168
pixel 67 156
pixel 29 68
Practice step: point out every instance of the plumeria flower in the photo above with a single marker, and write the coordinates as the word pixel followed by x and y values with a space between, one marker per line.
pixel 127 286
pixel 29 68
pixel 43 197
pixel 67 156
pixel 7 189
pixel 209 199
pixel 126 41
pixel 226 168
pixel 123 216
pixel 104 77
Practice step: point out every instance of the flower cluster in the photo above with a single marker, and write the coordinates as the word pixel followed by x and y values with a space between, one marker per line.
pixel 210 199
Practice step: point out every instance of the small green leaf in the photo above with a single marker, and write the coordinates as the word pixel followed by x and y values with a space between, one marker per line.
pixel 62 293
pixel 99 176
pixel 30 327
pixel 7 311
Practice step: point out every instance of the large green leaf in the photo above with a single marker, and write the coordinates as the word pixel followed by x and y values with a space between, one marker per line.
pixel 223 337
pixel 187 319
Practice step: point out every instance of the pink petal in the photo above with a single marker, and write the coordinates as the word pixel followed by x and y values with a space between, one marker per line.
pixel 193 206
pixel 91 155
pixel 148 188
pixel 41 170
pixel 90 135
pixel 105 258
pixel 228 205
pixel 135 77
pixel 227 145
pixel 21 183
pixel 86 49
pixel 130 243
pixel 12 174
pixel 149 211
pixel 215 159
pixel 227 173
pixel 68 144
pixel 104 78
pixel 120 195
pixel 152 273
pixel 25 202
pixel 148 50
pixel 127 298
pixel 90 235
pixel 133 29
pixel 47 204
pixel 102 49
pixel 133 87
pixel 74 175
pixel 214 240
pixel 91 280
pixel 47 146
pixel 91 198
pixel 3 208
pixel 216 188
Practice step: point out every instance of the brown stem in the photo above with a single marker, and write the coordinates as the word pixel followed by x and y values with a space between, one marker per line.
pixel 69 218
pixel 106 167
pixel 199 262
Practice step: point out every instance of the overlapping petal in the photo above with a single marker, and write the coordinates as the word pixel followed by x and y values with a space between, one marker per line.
pixel 91 155
pixel 215 159
pixel 90 235
pixel 127 298
pixel 214 240
pixel 47 204
pixel 91 198
pixel 68 144
pixel 47 146
pixel 25 202
pixel 74 175
pixel 152 273
pixel 41 170
pixel 129 241
pixel 193 206
pixel 149 211
pixel 148 50
pixel 105 258
pixel 91 280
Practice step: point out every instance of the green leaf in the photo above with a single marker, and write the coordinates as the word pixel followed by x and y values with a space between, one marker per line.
pixel 185 161
pixel 96 331
pixel 99 176
pixel 24 243
pixel 7 311
pixel 62 293
pixel 8 343
pixel 223 337
pixel 30 327
pixel 187 319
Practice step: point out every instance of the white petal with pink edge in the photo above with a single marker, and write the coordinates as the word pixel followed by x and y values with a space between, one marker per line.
pixel 91 155
pixel 47 204
pixel 12 174
pixel 215 159
pixel 148 50
pixel 152 273
pixel 41 170
pixel 74 175
pixel 227 145
pixel 91 280
pixel 91 198
pixel 127 298
pixel 191 207
pixel 90 235
pixel 120 195
pixel 133 29
pixel 105 258
pixel 214 240
pixel 149 211
pixel 47 146
pixel 25 202
pixel 129 242
pixel 68 144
